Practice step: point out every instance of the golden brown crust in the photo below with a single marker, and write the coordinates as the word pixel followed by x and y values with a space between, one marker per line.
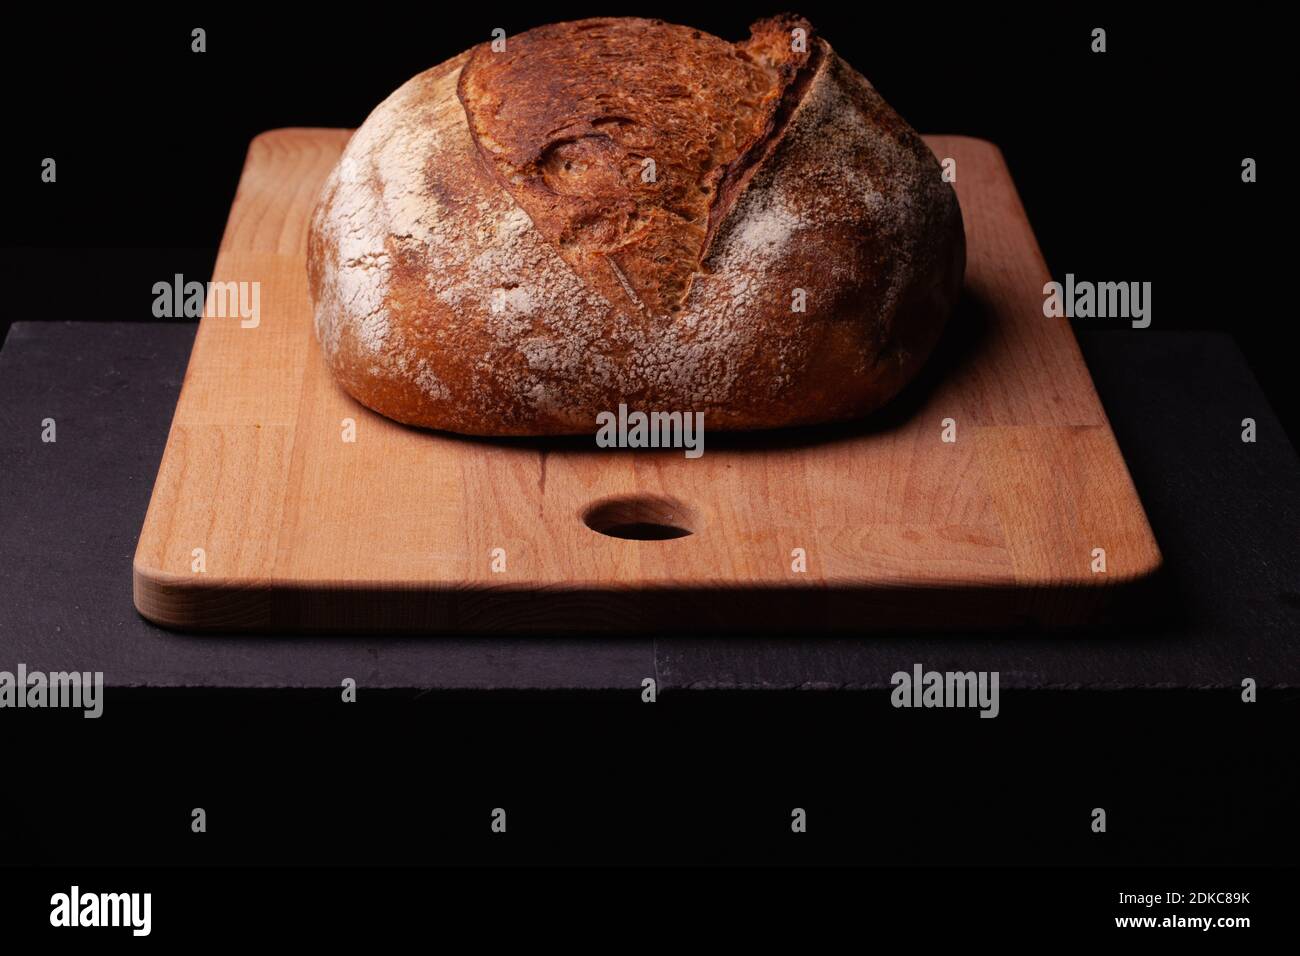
pixel 488 258
pixel 616 136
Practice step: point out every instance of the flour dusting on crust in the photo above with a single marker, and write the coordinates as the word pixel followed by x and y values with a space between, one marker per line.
pixel 438 302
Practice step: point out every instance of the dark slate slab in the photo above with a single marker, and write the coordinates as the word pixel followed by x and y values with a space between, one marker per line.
pixel 1225 513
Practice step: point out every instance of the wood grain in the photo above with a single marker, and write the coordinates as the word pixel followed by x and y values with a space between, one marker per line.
pixel 302 530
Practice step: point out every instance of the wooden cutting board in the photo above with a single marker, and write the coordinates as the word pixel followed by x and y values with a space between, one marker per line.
pixel 264 517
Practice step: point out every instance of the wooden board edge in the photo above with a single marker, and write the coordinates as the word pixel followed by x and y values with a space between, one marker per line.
pixel 182 603
pixel 188 602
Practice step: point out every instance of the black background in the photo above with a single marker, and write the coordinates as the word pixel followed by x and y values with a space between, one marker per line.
pixel 1128 162
pixel 1129 165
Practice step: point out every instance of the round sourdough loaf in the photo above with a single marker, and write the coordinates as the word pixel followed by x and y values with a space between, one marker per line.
pixel 626 211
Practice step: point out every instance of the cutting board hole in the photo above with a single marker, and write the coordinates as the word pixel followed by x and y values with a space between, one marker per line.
pixel 641 518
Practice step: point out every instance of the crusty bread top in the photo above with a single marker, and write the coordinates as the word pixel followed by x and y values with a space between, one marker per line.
pixel 568 115
pixel 440 300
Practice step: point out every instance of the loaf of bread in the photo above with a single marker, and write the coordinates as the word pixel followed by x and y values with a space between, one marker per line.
pixel 624 211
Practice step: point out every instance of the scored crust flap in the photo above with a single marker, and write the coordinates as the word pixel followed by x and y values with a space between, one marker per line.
pixel 625 145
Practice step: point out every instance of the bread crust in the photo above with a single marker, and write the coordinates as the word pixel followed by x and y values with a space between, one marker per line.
pixel 487 257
